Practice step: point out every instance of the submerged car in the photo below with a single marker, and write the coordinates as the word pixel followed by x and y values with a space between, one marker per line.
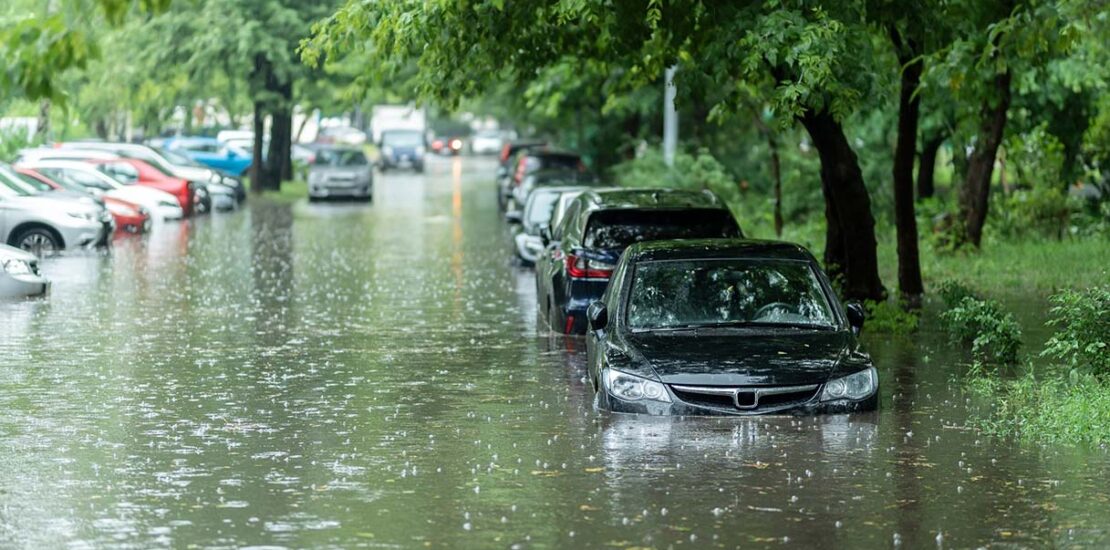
pixel 211 153
pixel 726 327
pixel 19 274
pixel 402 149
pixel 598 225
pixel 547 178
pixel 134 171
pixel 161 205
pixel 340 172
pixel 535 216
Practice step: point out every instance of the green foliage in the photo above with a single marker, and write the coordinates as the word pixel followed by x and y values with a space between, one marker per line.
pixel 1082 338
pixel 889 318
pixel 697 171
pixel 952 292
pixel 11 141
pixel 1050 410
pixel 994 334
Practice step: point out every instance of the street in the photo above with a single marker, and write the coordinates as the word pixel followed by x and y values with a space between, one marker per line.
pixel 342 374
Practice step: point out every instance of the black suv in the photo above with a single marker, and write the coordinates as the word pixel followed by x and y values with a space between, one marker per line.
pixel 581 252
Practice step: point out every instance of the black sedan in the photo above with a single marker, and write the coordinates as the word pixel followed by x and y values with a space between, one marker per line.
pixel 726 327
pixel 581 251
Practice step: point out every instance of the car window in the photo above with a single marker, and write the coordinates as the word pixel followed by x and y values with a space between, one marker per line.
pixel 621 228
pixel 32 181
pixel 669 294
pixel 85 179
pixel 10 179
pixel 554 162
pixel 119 171
pixel 340 157
pixel 541 205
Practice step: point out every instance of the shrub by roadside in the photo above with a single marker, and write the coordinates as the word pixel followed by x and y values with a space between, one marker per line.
pixel 1068 400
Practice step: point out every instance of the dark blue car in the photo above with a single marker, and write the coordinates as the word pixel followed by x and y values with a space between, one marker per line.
pixel 582 250
pixel 402 149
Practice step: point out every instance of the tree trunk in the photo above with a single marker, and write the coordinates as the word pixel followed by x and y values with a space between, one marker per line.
pixel 905 148
pixel 927 166
pixel 258 169
pixel 850 235
pixel 42 128
pixel 974 197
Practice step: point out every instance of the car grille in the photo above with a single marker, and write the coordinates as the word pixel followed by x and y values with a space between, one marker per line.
pixel 745 399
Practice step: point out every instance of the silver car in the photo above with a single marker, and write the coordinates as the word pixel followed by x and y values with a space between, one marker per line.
pixel 43 224
pixel 19 274
pixel 536 215
pixel 340 172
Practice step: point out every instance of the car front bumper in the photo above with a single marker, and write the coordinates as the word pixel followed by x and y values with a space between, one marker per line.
pixel 85 234
pixel 15 286
pixel 678 407
pixel 325 190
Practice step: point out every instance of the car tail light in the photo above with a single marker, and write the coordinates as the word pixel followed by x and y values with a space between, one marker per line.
pixel 505 153
pixel 579 267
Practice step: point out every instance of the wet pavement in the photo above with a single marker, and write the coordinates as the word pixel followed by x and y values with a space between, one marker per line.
pixel 349 375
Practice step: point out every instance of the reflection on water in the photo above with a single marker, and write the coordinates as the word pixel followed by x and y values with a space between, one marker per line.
pixel 342 375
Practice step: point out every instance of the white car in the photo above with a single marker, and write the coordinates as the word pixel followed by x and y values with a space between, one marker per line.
pixel 487 142
pixel 19 274
pixel 160 204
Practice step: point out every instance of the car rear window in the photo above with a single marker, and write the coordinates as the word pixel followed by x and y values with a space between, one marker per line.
pixel 338 157
pixel 621 228
pixel 554 162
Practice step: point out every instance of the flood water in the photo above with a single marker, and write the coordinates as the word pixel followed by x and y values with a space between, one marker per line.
pixel 349 375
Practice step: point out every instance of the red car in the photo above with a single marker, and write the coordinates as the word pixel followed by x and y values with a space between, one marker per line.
pixel 130 217
pixel 128 170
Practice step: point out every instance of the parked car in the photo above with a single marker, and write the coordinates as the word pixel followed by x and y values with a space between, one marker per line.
pixel 487 142
pixel 598 225
pixel 536 215
pixel 547 178
pixel 161 205
pixel 402 148
pixel 129 217
pixel 133 171
pixel 219 185
pixel 341 135
pixel 726 327
pixel 42 224
pixel 211 153
pixel 531 160
pixel 340 172
pixel 19 274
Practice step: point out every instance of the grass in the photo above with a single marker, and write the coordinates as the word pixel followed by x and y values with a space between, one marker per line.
pixel 1038 266
pixel 1049 409
pixel 291 191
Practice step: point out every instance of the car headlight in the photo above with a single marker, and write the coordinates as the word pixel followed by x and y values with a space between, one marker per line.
pixel 17 267
pixel 634 388
pixel 387 150
pixel 419 150
pixel 88 216
pixel 853 386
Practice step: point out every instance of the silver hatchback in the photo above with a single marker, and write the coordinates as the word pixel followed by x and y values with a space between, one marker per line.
pixel 43 224
pixel 340 172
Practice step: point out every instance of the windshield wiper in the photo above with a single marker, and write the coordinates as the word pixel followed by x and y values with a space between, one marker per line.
pixel 738 324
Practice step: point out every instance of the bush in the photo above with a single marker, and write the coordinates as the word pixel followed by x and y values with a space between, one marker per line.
pixel 1082 320
pixel 887 317
pixel 994 335
pixel 1054 410
pixel 952 291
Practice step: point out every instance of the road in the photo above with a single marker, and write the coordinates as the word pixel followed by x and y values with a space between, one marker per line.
pixel 346 375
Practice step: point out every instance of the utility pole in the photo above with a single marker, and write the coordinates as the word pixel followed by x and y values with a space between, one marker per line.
pixel 670 117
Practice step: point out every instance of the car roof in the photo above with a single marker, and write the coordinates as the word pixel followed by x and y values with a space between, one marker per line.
pixel 695 249
pixel 74 164
pixel 549 151
pixel 56 153
pixel 647 197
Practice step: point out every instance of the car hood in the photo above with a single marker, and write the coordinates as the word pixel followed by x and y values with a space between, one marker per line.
pixel 741 357
pixel 51 204
pixel 143 195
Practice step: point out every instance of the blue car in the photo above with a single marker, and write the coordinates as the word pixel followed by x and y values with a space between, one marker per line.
pixel 402 149
pixel 212 153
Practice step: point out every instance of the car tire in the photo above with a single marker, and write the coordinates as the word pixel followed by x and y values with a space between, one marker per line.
pixel 38 241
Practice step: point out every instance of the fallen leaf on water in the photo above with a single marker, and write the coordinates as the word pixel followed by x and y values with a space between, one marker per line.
pixel 594 470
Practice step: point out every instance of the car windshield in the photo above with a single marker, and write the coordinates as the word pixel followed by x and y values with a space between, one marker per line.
pixel 621 228
pixel 402 139
pixel 11 181
pixel 553 162
pixel 540 207
pixel 340 157
pixel 39 186
pixel 725 293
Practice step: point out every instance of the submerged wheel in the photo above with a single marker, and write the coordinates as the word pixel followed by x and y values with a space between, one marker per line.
pixel 38 241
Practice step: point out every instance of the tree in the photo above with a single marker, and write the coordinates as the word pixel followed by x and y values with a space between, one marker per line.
pixel 813 57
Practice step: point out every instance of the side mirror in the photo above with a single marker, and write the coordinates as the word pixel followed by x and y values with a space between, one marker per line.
pixel 545 235
pixel 856 315
pixel 514 217
pixel 598 316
